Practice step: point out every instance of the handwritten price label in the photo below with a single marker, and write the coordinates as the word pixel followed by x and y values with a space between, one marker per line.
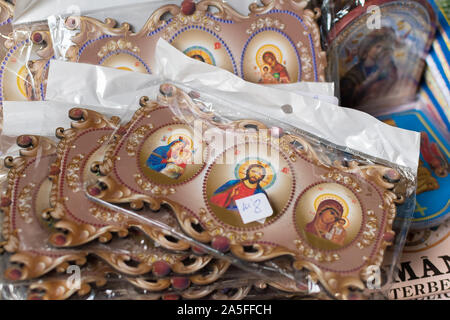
pixel 254 208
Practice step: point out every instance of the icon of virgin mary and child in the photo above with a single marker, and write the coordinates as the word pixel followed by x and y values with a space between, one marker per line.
pixel 376 73
pixel 273 71
pixel 171 160
pixel 233 190
pixel 328 223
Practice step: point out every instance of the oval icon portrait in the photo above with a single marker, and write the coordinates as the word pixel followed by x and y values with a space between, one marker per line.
pixel 17 77
pixel 262 182
pixel 205 46
pixel 170 155
pixel 125 60
pixel 329 216
pixel 270 58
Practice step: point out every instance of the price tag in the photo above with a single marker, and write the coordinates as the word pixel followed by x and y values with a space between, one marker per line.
pixel 254 208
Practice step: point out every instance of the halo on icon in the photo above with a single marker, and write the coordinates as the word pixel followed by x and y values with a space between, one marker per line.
pixel 185 138
pixel 270 178
pixel 200 53
pixel 341 201
pixel 21 80
pixel 268 48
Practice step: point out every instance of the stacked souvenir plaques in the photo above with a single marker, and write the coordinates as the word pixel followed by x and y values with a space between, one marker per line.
pixel 206 188
pixel 127 203
pixel 277 42
pixel 45 226
pixel 42 207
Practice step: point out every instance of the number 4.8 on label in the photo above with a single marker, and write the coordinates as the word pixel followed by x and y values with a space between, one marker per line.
pixel 254 208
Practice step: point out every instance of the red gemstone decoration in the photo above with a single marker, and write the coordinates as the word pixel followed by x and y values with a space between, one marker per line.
pixel 167 90
pixel 37 37
pixel 353 296
pixel 15 274
pixel 6 202
pixel 170 297
pixel 180 283
pixel 76 113
pixel 221 243
pixel 60 240
pixel 161 268
pixel 194 95
pixel 71 22
pixel 94 191
pixel 391 174
pixel 24 141
pixel 388 237
pixel 188 7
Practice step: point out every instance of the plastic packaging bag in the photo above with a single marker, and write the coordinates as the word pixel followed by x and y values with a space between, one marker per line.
pixel 433 173
pixel 29 47
pixel 111 87
pixel 33 231
pixel 211 92
pixel 264 47
pixel 27 51
pixel 377 49
pixel 226 233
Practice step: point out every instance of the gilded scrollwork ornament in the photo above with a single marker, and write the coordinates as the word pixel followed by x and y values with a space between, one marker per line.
pixel 77 219
pixel 302 184
pixel 221 37
pixel 30 258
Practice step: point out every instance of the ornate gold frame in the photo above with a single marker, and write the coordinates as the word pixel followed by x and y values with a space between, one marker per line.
pixel 218 269
pixel 33 264
pixel 60 288
pixel 40 42
pixel 6 11
pixel 261 18
pixel 348 174
pixel 76 233
pixel 29 264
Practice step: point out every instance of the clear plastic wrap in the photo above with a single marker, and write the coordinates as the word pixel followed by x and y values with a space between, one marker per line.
pixel 41 239
pixel 272 238
pixel 207 89
pixel 433 173
pixel 341 126
pixel 30 46
pixel 24 60
pixel 25 55
pixel 86 117
pixel 377 48
pixel 263 45
pixel 204 186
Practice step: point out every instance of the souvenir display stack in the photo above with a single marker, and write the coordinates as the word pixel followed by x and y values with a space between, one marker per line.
pixel 224 150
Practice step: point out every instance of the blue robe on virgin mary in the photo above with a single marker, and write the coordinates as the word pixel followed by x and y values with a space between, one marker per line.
pixel 158 159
